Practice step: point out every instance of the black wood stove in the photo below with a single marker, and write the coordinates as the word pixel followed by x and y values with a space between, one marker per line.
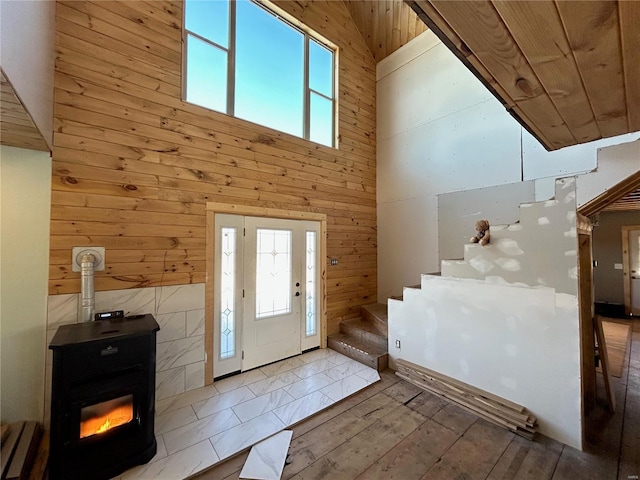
pixel 103 396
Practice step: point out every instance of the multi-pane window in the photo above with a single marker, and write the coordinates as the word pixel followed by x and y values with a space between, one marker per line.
pixel 246 60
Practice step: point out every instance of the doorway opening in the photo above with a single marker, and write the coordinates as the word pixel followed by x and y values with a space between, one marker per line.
pixel 265 289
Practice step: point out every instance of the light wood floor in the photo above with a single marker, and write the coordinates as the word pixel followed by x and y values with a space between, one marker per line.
pixel 393 430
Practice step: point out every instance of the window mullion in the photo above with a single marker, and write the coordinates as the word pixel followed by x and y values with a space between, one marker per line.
pixel 205 40
pixel 320 94
pixel 306 129
pixel 231 60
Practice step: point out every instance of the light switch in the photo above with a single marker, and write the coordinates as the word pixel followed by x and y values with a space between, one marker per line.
pixel 617 266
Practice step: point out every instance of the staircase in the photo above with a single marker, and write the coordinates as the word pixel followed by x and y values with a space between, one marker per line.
pixel 364 339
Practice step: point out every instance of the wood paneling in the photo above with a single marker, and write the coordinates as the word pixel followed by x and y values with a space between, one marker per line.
pixel 385 25
pixel 567 70
pixel 134 165
pixel 631 201
pixel 16 125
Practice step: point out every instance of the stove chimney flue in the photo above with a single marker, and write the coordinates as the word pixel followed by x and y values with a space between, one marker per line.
pixel 88 293
pixel 87 260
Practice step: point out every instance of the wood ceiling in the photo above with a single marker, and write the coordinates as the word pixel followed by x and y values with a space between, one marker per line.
pixel 623 196
pixel 385 25
pixel 568 70
pixel 16 126
pixel 627 203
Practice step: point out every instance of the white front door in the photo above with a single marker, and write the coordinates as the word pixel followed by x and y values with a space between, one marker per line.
pixel 266 299
pixel 634 259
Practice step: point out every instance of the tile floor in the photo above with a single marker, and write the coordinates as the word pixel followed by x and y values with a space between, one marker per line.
pixel 202 427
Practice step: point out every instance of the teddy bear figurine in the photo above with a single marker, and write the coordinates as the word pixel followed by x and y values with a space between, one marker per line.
pixel 483 235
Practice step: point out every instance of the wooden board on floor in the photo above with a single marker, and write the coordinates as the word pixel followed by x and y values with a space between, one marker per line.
pixel 9 447
pixel 491 407
pixel 604 359
pixel 616 335
pixel 25 452
pixel 4 432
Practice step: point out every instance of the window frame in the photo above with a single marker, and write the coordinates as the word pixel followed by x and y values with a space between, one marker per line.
pixel 309 36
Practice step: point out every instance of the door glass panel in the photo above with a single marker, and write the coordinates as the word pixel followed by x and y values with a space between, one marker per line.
pixel 273 272
pixel 227 286
pixel 310 297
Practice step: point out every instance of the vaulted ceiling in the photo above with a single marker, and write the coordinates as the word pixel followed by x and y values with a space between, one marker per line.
pixel 568 70
pixel 16 126
pixel 385 25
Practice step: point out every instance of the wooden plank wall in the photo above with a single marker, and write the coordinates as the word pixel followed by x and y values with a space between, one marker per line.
pixel 134 165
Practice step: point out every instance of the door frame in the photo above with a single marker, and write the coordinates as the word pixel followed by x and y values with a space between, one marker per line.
pixel 586 316
pixel 250 211
pixel 626 266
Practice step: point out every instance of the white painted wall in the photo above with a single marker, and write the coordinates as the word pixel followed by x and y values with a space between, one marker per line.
pixel 25 205
pixel 520 343
pixel 27 55
pixel 439 130
pixel 458 212
pixel 615 163
pixel 541 249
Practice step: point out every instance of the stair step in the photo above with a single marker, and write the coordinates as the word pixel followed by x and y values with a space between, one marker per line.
pixel 363 330
pixel 376 313
pixel 416 287
pixel 361 351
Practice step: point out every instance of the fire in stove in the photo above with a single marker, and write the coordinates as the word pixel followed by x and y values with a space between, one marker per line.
pixel 105 416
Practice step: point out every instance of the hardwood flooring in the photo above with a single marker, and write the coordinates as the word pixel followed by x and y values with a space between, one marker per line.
pixel 394 430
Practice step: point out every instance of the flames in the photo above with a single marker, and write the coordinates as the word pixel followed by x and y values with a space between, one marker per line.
pixel 114 418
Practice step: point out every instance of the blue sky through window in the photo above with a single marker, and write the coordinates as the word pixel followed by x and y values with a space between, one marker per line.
pixel 206 75
pixel 320 68
pixel 269 70
pixel 269 80
pixel 209 19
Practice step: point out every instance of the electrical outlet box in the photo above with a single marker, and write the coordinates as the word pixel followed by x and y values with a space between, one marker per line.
pixel 617 266
pixel 397 343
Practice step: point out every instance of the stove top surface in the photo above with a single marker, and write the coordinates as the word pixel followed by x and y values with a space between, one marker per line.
pixel 109 329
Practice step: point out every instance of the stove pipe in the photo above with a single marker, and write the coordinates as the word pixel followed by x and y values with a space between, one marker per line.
pixel 87 289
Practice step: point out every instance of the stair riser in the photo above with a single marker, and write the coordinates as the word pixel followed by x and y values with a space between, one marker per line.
pixel 378 363
pixel 380 325
pixel 364 335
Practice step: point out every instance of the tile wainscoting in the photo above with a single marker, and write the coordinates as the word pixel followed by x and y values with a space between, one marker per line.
pixel 179 311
